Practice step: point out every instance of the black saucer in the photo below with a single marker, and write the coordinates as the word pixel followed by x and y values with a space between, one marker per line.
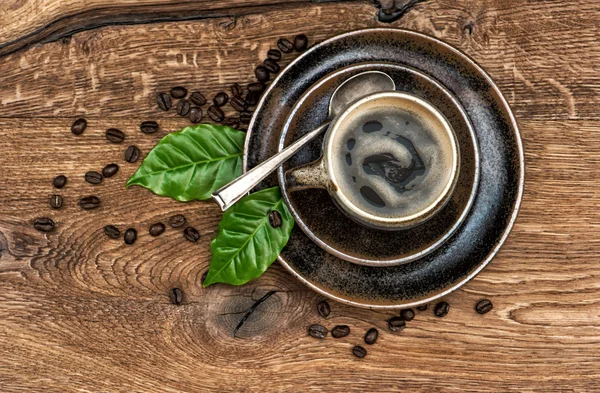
pixel 501 169
pixel 340 235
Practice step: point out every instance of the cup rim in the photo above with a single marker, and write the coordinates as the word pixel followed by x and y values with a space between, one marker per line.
pixel 390 223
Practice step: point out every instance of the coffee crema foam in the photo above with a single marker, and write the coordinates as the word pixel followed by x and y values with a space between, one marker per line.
pixel 392 162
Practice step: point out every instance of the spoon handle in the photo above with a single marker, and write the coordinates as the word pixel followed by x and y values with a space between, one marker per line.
pixel 234 191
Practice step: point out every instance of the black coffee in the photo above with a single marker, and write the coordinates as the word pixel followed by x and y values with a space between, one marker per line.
pixel 391 161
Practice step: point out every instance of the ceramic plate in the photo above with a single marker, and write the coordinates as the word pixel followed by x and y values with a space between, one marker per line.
pixel 343 237
pixel 500 188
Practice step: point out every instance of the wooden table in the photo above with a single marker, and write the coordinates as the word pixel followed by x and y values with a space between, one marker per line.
pixel 80 313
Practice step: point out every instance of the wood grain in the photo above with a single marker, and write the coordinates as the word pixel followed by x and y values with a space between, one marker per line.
pixel 26 22
pixel 82 313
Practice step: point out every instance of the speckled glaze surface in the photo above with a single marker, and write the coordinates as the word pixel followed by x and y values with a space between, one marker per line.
pixel 340 235
pixel 495 207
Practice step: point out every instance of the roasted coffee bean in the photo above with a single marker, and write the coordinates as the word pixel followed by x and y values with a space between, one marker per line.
pixel 371 336
pixel 239 104
pixel 285 45
pixel 359 351
pixel 59 181
pixel 256 87
pixel 43 224
pixel 275 219
pixel 221 99
pixel 183 107
pixel 195 115
pixel 340 331
pixel 274 54
pixel 114 135
pixel 236 90
pixel 149 127
pixel 191 234
pixel 252 98
pixel 396 324
pixel 262 74
pixel 110 170
pixel 93 177
pixel 132 154
pixel 484 306
pixel 215 113
pixel 271 66
pixel 56 201
pixel 177 221
pixel 232 122
pixel 78 126
pixel 408 314
pixel 176 296
pixel 164 101
pixel 112 231
pixel 197 98
pixel 156 229
pixel 441 309
pixel 89 202
pixel 424 307
pixel 323 308
pixel 178 92
pixel 317 331
pixel 245 117
pixel 300 42
pixel 130 236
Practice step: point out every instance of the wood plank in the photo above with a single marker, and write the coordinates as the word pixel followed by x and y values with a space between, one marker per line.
pixel 545 71
pixel 26 22
pixel 81 312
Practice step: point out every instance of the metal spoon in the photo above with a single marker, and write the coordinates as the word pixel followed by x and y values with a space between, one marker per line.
pixel 351 90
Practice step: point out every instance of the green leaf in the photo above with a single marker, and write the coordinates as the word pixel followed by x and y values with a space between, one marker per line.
pixel 193 163
pixel 246 243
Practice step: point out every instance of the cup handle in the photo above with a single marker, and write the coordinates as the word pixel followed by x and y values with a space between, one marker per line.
pixel 313 175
